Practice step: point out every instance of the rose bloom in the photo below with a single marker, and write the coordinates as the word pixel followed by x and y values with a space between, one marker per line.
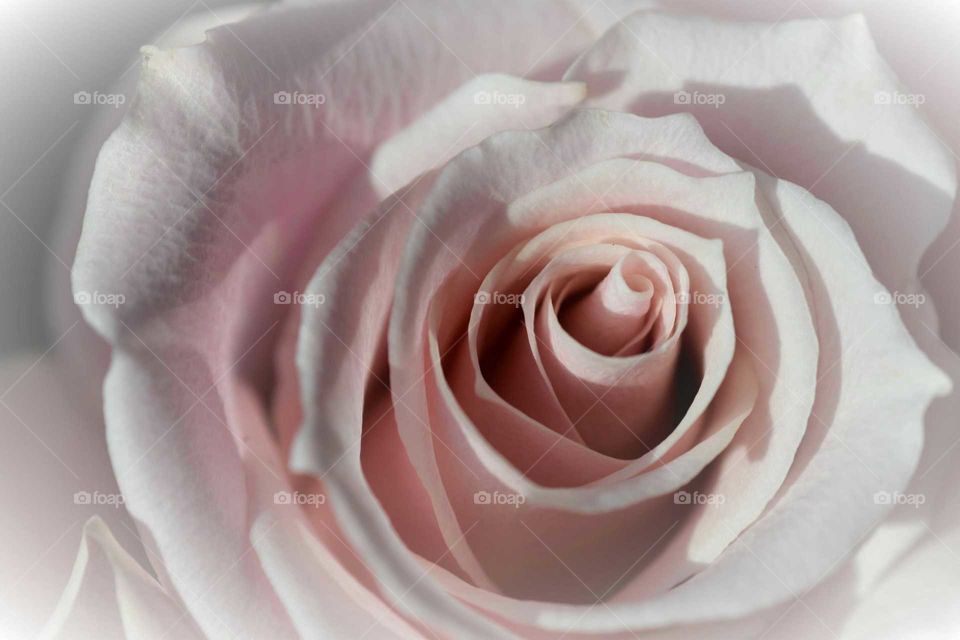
pixel 522 320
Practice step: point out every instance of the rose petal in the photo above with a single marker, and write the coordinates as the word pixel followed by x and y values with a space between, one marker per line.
pixel 110 596
pixel 534 161
pixel 919 595
pixel 789 550
pixel 658 138
pixel 617 404
pixel 463 119
pixel 298 545
pixel 53 447
pixel 810 101
pixel 179 194
pixel 332 430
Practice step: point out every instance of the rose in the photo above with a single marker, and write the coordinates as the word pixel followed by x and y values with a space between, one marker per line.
pixel 152 310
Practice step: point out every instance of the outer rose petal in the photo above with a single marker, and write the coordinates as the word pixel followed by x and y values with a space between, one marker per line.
pixel 179 195
pixel 110 596
pixel 302 565
pixel 883 562
pixel 53 447
pixel 83 349
pixel 801 102
pixel 468 115
pixel 918 45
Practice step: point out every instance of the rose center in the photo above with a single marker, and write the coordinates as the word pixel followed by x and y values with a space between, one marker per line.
pixel 626 312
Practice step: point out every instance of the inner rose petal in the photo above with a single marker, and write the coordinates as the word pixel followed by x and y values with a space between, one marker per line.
pixel 505 548
pixel 621 406
pixel 482 393
pixel 429 319
pixel 616 317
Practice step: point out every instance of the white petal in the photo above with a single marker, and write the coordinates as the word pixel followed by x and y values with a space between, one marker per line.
pixel 810 101
pixel 110 596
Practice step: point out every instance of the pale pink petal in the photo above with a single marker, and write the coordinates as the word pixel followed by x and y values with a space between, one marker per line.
pixel 183 479
pixel 297 542
pixel 82 349
pixel 880 379
pixel 657 138
pixel 477 109
pixel 549 466
pixel 778 280
pixel 810 101
pixel 110 596
pixel 179 193
pixel 917 600
pixel 328 444
pixel 53 448
pixel 621 406
pixel 618 314
pixel 908 551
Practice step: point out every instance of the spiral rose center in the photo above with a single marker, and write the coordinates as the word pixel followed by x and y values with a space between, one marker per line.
pixel 581 330
pixel 625 313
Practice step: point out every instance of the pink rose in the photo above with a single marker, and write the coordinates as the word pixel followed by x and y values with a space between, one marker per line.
pixel 523 320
